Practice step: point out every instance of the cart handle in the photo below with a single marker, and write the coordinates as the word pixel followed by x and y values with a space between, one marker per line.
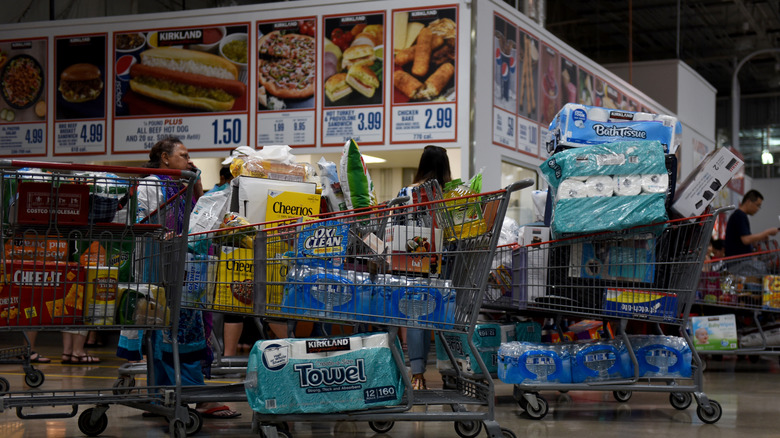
pixel 97 168
pixel 519 185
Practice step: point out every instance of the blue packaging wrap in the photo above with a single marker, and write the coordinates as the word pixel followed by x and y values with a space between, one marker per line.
pixel 326 292
pixel 526 362
pixel 291 376
pixel 613 186
pixel 662 356
pixel 412 300
pixel 600 361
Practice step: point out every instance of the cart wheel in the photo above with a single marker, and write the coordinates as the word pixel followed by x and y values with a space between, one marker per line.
pixel 87 427
pixel 540 411
pixel 506 433
pixel 177 428
pixel 345 428
pixel 4 385
pixel 680 400
pixel 123 384
pixel 381 426
pixel 622 396
pixel 468 429
pixel 711 415
pixel 194 421
pixel 281 433
pixel 34 378
pixel 448 382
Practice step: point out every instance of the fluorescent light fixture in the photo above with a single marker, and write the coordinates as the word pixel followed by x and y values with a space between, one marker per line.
pixel 370 159
pixel 767 158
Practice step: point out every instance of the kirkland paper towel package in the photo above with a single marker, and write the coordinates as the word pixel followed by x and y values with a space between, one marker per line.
pixel 700 187
pixel 613 185
pixel 580 125
pixel 322 375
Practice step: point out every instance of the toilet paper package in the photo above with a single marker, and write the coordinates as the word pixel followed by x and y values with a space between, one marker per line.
pixel 322 375
pixel 326 293
pixel 600 361
pixel 527 363
pixel 662 356
pixel 581 125
pixel 614 185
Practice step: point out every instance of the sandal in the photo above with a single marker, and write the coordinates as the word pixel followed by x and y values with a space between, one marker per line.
pixel 219 412
pixel 37 358
pixel 418 382
pixel 86 359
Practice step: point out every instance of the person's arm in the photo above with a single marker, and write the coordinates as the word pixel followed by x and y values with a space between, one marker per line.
pixel 758 237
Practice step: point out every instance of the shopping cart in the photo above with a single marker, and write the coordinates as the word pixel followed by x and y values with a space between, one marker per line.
pixel 380 267
pixel 116 280
pixel 747 287
pixel 648 274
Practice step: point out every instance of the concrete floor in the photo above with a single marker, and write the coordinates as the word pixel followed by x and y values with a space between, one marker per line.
pixel 746 391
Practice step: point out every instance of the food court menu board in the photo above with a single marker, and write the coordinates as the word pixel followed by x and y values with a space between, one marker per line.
pixel 189 82
pixel 424 75
pixel 81 97
pixel 353 79
pixel 286 82
pixel 23 109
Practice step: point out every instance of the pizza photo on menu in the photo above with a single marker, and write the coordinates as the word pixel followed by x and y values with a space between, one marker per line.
pixel 353 60
pixel 287 66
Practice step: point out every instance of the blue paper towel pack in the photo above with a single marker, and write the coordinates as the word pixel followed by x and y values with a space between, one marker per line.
pixel 289 376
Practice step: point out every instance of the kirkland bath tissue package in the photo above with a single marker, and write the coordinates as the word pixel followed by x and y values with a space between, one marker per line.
pixel 294 376
pixel 613 186
pixel 580 125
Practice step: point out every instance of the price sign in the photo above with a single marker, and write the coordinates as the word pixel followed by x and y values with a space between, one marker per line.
pixel 528 136
pixel 23 139
pixel 364 125
pixel 79 137
pixel 225 131
pixel 504 128
pixel 424 123
pixel 292 128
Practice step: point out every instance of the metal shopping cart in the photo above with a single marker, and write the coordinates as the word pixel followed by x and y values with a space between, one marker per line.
pixel 648 274
pixel 125 274
pixel 380 267
pixel 747 287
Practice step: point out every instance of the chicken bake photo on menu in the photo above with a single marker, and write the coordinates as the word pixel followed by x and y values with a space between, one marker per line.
pixel 181 70
pixel 353 60
pixel 424 55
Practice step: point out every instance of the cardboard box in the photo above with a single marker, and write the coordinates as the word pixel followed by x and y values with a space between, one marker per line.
pixel 250 195
pixel 414 249
pixel 235 280
pixel 41 203
pixel 771 296
pixel 532 234
pixel 42 294
pixel 529 274
pixel 290 205
pixel 714 332
pixel 630 260
pixel 632 303
pixel 698 190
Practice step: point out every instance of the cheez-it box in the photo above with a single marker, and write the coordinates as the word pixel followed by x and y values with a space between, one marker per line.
pixel 42 294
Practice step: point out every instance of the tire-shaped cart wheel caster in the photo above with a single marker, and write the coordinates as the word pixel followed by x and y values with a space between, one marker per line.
pixel 468 429
pixel 34 378
pixel 622 396
pixel 90 428
pixel 194 422
pixel 177 428
pixel 4 385
pixel 711 415
pixel 538 412
pixel 680 400
pixel 381 426
pixel 506 433
pixel 123 384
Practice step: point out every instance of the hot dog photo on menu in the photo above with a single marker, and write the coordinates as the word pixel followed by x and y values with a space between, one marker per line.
pixel 183 70
pixel 286 66
pixel 353 60
pixel 424 55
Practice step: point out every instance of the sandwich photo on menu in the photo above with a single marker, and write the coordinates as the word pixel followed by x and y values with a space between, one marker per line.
pixel 424 52
pixel 353 60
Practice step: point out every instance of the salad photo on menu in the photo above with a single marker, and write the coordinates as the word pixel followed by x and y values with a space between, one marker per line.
pixel 286 66
pixel 424 55
pixel 353 60
pixel 188 70
pixel 22 81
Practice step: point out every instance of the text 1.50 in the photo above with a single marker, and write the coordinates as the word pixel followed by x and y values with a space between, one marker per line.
pixel 228 133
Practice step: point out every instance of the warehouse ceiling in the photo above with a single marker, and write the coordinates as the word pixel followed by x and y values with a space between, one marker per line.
pixel 711 36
